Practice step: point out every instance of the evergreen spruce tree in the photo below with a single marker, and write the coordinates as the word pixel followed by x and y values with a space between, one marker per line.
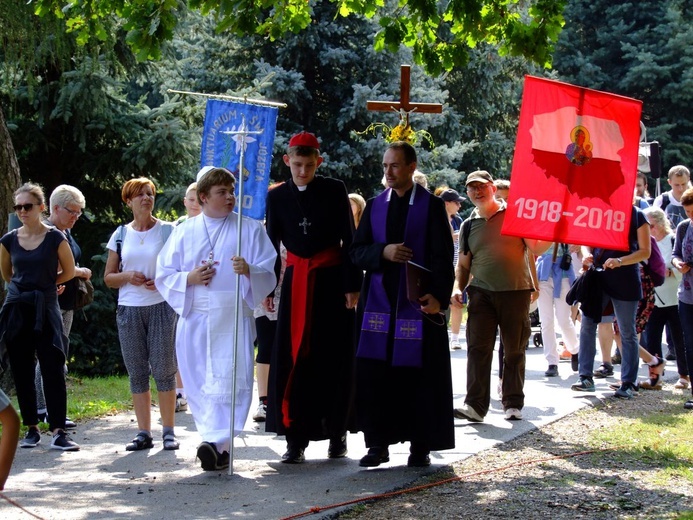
pixel 636 49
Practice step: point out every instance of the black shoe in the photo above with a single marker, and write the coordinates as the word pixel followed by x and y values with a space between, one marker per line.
pixel 375 457
pixel 338 447
pixel 294 455
pixel 223 460
pixel 670 356
pixel 574 362
pixel 419 460
pixel 210 458
pixel 552 371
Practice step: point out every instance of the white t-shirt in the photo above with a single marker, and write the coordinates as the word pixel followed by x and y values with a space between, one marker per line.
pixel 139 251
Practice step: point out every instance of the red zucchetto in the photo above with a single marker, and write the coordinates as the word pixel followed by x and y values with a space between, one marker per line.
pixel 305 139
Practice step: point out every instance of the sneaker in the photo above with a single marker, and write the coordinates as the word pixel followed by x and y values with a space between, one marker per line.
pixel 584 385
pixel 62 441
pixel 604 370
pixel 670 356
pixel 181 403
pixel 616 359
pixel 455 344
pixel 624 391
pixel 467 412
pixel 635 387
pixel 261 413
pixel 513 414
pixel 31 439
pixel 552 371
pixel 682 384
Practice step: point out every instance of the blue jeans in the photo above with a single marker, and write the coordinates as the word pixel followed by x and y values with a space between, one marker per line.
pixel 686 314
pixel 625 316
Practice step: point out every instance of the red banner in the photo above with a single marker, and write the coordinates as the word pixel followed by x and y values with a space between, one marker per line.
pixel 574 167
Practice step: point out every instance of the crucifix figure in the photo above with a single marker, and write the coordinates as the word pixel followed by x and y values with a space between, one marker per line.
pixel 404 105
pixel 305 225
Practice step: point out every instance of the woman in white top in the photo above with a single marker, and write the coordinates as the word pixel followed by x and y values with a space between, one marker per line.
pixel 146 323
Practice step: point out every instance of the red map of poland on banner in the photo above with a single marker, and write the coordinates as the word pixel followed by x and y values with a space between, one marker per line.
pixel 574 166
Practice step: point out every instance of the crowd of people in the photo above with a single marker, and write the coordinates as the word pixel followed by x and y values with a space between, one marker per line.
pixel 368 290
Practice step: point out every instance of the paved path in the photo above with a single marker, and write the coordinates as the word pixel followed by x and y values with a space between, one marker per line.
pixel 104 481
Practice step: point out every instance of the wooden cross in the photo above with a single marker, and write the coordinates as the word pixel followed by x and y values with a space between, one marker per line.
pixel 403 103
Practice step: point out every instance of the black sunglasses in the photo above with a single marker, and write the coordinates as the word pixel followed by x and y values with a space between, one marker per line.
pixel 25 207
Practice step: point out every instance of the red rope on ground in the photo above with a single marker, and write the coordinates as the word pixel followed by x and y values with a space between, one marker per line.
pixel 319 509
pixel 18 506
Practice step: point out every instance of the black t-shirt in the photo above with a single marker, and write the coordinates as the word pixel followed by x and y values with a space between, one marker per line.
pixel 36 269
pixel 623 283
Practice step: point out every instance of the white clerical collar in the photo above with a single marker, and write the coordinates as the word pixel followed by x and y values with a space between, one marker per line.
pixel 411 198
pixel 302 188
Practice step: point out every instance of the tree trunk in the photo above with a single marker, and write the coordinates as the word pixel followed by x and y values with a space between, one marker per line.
pixel 10 178
pixel 9 182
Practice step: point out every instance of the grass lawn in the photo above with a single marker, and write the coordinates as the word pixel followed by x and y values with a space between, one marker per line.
pixel 89 398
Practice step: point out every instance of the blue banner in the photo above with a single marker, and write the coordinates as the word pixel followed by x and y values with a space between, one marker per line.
pixel 221 147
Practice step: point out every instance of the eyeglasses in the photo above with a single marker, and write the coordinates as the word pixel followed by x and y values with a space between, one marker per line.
pixel 73 213
pixel 25 207
pixel 472 188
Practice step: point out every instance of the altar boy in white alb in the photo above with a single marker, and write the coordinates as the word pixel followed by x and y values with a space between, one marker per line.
pixel 196 274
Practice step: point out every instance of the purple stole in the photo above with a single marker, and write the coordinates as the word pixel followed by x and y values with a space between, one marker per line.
pixel 408 330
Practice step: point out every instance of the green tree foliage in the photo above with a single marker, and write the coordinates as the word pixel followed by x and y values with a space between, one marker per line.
pixel 81 116
pixel 641 50
pixel 440 34
pixel 325 76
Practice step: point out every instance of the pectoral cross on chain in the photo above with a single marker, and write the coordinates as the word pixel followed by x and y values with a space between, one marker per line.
pixel 210 262
pixel 305 225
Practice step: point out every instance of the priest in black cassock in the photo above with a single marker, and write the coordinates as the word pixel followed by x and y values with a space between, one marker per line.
pixel 311 369
pixel 403 379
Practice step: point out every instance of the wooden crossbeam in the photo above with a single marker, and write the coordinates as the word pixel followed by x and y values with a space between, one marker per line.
pixel 404 103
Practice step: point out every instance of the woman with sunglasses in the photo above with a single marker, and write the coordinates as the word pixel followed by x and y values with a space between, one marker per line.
pixel 66 205
pixel 34 260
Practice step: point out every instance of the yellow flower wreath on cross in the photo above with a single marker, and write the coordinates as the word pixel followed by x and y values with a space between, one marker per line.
pixel 400 132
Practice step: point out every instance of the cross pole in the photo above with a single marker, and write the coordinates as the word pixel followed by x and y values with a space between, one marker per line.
pixel 403 104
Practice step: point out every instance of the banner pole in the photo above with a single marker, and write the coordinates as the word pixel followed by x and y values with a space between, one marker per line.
pixel 243 132
pixel 245 100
